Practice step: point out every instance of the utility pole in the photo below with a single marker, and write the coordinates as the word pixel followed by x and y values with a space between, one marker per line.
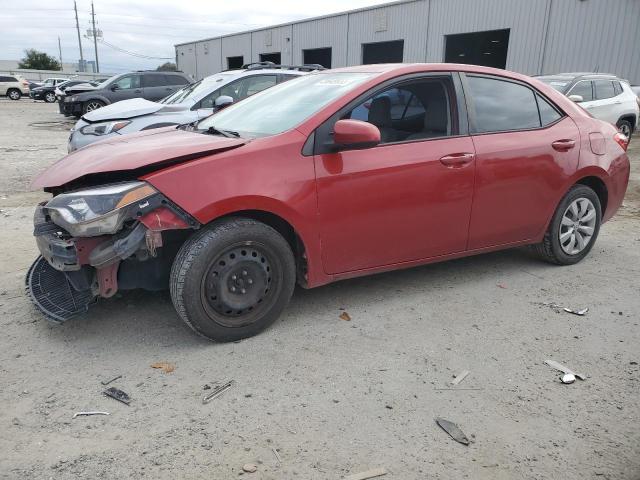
pixel 75 7
pixel 60 53
pixel 95 37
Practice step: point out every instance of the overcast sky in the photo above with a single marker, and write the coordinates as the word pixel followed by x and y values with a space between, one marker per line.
pixel 148 27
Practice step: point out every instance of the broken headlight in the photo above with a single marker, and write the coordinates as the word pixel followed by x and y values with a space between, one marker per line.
pixel 100 210
pixel 104 128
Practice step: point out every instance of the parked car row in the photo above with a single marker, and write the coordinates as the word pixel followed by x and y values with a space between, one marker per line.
pixel 325 176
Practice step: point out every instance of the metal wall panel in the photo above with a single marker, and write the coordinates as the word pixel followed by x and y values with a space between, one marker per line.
pixel 594 35
pixel 234 46
pixel 208 56
pixel 524 18
pixel 322 33
pixel 406 21
pixel 272 40
pixel 186 58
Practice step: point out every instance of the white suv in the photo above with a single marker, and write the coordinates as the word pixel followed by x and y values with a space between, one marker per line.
pixel 604 96
pixel 13 86
pixel 189 104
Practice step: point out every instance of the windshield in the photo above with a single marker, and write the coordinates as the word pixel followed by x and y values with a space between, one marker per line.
pixel 559 83
pixel 280 108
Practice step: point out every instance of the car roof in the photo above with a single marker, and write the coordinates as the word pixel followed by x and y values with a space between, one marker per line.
pixel 571 76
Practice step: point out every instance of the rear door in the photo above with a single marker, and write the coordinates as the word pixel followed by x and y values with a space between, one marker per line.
pixel 155 86
pixel 408 198
pixel 526 148
pixel 4 84
pixel 605 105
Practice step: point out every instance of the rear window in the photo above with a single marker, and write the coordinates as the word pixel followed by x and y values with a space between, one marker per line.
pixel 502 105
pixel 617 88
pixel 176 80
pixel 604 89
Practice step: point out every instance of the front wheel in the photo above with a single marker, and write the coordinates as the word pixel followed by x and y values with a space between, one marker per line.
pixel 92 105
pixel 50 97
pixel 232 279
pixel 574 227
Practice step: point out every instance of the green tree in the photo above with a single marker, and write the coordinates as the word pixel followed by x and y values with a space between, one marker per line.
pixel 35 60
pixel 167 67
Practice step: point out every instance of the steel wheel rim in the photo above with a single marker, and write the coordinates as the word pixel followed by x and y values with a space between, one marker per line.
pixel 240 284
pixel 577 226
pixel 50 97
pixel 14 95
pixel 93 106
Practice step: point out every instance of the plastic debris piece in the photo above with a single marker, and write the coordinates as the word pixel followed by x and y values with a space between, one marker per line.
pixel 568 378
pixel 453 430
pixel 275 452
pixel 249 468
pixel 107 382
pixel 460 377
pixel 345 316
pixel 580 312
pixel 216 392
pixel 164 366
pixel 117 394
pixel 88 414
pixel 373 473
pixel 563 369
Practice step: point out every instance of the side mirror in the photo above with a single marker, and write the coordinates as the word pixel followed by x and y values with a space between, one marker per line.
pixel 576 98
pixel 223 101
pixel 355 135
pixel 114 87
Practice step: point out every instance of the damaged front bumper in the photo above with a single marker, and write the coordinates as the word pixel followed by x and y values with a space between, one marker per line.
pixel 72 272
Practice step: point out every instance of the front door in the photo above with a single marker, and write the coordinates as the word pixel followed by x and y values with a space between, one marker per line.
pixel 408 198
pixel 126 87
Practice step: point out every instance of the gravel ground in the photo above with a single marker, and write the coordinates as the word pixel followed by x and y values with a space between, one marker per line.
pixel 332 397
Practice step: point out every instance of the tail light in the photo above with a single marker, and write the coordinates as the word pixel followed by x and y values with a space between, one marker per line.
pixel 25 83
pixel 621 140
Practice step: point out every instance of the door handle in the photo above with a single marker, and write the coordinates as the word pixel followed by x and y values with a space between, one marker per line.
pixel 563 145
pixel 137 90
pixel 168 88
pixel 457 159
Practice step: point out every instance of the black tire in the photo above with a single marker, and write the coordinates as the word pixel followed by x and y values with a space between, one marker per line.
pixel 204 279
pixel 49 97
pixel 626 128
pixel 550 249
pixel 91 105
pixel 14 94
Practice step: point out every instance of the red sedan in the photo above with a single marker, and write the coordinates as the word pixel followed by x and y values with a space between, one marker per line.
pixel 303 183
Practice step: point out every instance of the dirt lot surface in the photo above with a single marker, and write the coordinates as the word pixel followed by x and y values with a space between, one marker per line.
pixel 332 397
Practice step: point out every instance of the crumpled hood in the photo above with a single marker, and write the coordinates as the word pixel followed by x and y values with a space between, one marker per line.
pixel 134 107
pixel 159 147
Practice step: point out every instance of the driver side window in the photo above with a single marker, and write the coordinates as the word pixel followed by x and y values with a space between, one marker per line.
pixel 419 109
pixel 130 81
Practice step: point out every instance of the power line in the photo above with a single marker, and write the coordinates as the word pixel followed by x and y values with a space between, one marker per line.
pixel 133 54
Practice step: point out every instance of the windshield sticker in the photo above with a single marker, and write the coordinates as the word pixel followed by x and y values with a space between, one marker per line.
pixel 340 82
pixel 558 84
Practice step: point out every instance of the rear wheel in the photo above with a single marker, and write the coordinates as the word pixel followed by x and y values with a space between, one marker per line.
pixel 14 94
pixel 50 97
pixel 92 105
pixel 625 128
pixel 232 279
pixel 573 229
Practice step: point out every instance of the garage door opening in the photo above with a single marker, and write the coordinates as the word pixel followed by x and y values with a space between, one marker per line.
pixel 233 63
pixel 270 57
pixel 317 56
pixel 383 52
pixel 479 48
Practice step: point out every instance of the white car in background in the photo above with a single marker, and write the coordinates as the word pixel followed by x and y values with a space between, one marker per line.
pixel 604 96
pixel 189 104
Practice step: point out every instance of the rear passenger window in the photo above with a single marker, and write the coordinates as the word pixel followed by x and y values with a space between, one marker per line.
pixel 176 80
pixel 155 81
pixel 502 105
pixel 548 114
pixel 604 89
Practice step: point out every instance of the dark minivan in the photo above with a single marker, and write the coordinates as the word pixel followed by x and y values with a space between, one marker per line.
pixel 149 85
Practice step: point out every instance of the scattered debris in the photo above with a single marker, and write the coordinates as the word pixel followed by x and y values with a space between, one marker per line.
pixel 345 316
pixel 375 472
pixel 117 394
pixel 275 452
pixel 164 366
pixel 249 468
pixel 460 377
pixel 581 312
pixel 453 430
pixel 107 382
pixel 216 392
pixel 88 414
pixel 568 378
pixel 563 369
pixel 206 387
pixel 500 285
